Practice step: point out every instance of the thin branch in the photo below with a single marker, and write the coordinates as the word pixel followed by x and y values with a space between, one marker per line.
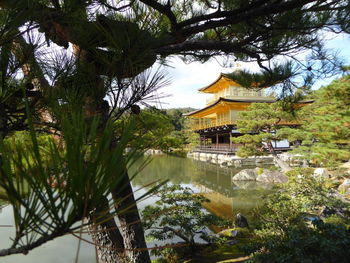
pixel 26 248
pixel 117 9
pixel 164 9
pixel 237 16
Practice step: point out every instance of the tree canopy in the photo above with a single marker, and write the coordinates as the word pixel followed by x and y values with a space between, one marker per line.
pixel 325 124
pixel 322 132
pixel 260 125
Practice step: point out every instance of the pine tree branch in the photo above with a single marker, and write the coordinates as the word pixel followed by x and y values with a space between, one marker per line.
pixel 117 9
pixel 164 9
pixel 177 233
pixel 220 14
pixel 235 17
pixel 26 248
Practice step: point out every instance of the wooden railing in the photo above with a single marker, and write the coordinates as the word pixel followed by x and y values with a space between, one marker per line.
pixel 228 121
pixel 206 125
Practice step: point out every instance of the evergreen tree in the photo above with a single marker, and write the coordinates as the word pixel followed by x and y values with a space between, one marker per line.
pixel 260 125
pixel 322 132
pixel 325 124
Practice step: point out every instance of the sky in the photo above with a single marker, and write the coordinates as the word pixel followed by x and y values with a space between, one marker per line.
pixel 186 79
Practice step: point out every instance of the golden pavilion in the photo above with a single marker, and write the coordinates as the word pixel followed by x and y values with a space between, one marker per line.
pixel 215 123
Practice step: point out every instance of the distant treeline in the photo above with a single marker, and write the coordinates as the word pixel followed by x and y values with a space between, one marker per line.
pixel 164 129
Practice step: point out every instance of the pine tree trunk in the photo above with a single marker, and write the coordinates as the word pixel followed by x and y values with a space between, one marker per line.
pixel 106 236
pixel 131 232
pixel 131 227
pixel 130 222
pixel 282 164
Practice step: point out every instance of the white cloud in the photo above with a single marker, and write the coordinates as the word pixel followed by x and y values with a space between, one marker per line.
pixel 186 79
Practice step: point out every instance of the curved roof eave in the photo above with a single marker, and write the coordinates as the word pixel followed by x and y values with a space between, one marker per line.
pixel 228 100
pixel 222 75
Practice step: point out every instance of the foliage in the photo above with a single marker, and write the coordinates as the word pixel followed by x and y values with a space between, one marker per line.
pixel 60 186
pixel 177 118
pixel 157 129
pixel 152 128
pixel 24 139
pixel 260 125
pixel 325 124
pixel 179 213
pixel 292 231
pixel 323 136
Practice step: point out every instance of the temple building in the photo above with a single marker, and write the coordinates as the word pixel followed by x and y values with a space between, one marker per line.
pixel 215 123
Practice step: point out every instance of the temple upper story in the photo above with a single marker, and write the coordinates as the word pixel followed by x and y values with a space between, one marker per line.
pixel 228 99
pixel 224 87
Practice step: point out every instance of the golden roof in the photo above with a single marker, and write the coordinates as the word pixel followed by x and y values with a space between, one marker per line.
pixel 220 83
pixel 222 105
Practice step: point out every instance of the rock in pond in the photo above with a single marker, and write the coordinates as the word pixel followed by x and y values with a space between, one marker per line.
pixel 245 175
pixel 251 185
pixel 272 177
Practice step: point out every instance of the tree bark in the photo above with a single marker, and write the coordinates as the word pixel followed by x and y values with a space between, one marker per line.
pixel 130 237
pixel 130 221
pixel 282 164
pixel 131 228
pixel 106 236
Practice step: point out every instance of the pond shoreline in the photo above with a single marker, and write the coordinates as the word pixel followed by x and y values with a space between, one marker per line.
pixel 231 160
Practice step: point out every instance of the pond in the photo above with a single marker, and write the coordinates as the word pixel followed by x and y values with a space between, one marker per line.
pixel 214 182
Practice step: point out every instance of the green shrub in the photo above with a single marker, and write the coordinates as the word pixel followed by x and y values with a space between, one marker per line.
pixel 179 213
pixel 290 229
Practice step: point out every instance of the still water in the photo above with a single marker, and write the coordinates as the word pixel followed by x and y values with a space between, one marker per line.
pixel 214 182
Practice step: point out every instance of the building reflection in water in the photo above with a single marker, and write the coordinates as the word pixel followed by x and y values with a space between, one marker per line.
pixel 211 180
pixel 227 198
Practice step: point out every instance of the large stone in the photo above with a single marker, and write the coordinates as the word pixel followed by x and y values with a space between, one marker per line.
pixel 344 188
pixel 222 159
pixel 286 157
pixel 250 185
pixel 209 158
pixel 272 177
pixel 321 172
pixel 214 160
pixel 202 155
pixel 245 175
pixel 229 161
